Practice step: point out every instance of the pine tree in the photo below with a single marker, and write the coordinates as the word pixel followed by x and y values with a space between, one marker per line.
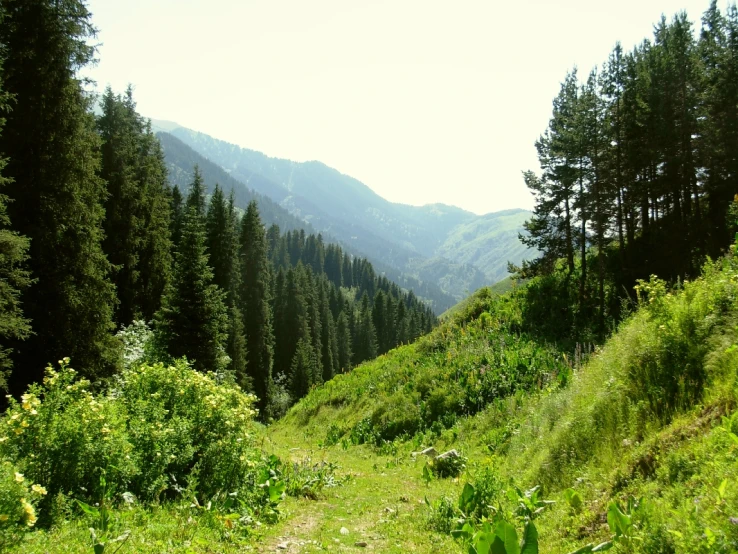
pixel 177 216
pixel 155 260
pixel 254 295
pixel 304 370
pixel 56 195
pixel 196 194
pixel 136 210
pixel 192 321
pixel 328 339
pixel 222 242
pixel 14 278
pixel 366 335
pixel 236 349
pixel 343 338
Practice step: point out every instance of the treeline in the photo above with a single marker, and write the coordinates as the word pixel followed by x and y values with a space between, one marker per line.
pixel 93 238
pixel 639 167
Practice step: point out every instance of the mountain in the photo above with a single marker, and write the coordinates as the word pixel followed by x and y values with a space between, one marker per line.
pixel 447 246
pixel 181 159
pixel 488 242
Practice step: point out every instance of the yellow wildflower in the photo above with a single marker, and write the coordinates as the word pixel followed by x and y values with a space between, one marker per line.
pixel 30 513
pixel 19 477
pixel 38 489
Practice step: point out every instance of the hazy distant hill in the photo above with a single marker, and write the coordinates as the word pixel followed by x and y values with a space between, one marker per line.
pixel 181 159
pixel 454 249
pixel 488 242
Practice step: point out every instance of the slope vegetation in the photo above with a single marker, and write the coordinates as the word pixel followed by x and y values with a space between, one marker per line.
pixel 637 445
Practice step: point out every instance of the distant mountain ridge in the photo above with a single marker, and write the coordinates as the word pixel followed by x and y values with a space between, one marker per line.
pixel 181 159
pixel 445 245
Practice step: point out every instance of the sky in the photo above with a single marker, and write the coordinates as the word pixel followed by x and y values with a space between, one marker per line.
pixel 424 101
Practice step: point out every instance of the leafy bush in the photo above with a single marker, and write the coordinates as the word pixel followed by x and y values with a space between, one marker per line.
pixel 157 428
pixel 61 435
pixel 17 504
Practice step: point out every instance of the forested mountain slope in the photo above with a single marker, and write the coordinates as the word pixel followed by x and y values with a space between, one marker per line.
pixel 419 241
pixel 181 159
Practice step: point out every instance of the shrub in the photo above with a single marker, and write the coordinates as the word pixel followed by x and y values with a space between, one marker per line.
pixel 156 429
pixel 17 504
pixel 178 417
pixel 60 435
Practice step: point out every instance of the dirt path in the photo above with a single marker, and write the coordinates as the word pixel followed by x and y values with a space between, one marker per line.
pixel 380 509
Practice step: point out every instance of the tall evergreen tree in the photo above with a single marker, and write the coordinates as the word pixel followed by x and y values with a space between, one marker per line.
pixel 192 321
pixel 222 242
pixel 136 209
pixel 155 259
pixel 177 216
pixel 196 194
pixel 343 338
pixel 14 278
pixel 56 195
pixel 366 336
pixel 304 369
pixel 254 294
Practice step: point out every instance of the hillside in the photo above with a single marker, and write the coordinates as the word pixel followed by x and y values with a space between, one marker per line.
pixel 488 242
pixel 181 159
pixel 628 451
pixel 423 242
pixel 624 435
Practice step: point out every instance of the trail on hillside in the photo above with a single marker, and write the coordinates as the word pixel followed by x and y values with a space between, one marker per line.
pixel 381 508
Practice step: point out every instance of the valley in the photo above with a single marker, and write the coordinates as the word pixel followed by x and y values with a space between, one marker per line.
pixel 442 246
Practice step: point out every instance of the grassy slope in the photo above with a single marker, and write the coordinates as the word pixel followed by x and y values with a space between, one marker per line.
pixel 500 287
pixel 612 434
pixel 641 419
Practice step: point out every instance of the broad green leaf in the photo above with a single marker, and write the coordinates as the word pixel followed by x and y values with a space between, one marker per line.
pixel 276 490
pixel 530 539
pixel 89 510
pixel 466 495
pixel 483 542
pixel 619 522
pixel 498 547
pixel 509 537
pixel 602 547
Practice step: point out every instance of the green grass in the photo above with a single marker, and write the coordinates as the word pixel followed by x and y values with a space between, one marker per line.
pixel 650 416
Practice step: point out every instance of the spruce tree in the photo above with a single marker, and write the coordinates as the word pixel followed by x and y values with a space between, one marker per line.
pixel 343 338
pixel 254 297
pixel 304 370
pixel 136 229
pixel 14 278
pixel 192 321
pixel 56 194
pixel 222 242
pixel 155 258
pixel 196 194
pixel 366 335
pixel 236 349
pixel 177 216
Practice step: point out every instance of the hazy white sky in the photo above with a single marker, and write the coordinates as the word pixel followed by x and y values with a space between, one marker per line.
pixel 422 100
